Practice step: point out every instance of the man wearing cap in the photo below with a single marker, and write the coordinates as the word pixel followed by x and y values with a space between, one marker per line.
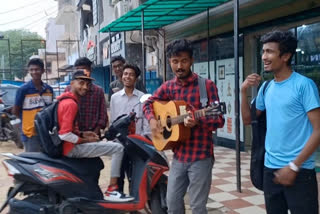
pixel 86 144
pixel 128 98
pixel 92 107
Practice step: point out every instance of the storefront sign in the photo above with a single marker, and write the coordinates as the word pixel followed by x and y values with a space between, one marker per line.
pixel 91 54
pixel 116 46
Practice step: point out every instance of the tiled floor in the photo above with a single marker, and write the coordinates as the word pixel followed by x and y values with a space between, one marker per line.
pixel 223 194
pixel 224 184
pixel 223 198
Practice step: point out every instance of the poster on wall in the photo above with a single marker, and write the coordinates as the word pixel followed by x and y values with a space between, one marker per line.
pixel 226 89
pixel 202 69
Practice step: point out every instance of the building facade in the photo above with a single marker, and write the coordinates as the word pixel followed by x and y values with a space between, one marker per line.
pixel 216 60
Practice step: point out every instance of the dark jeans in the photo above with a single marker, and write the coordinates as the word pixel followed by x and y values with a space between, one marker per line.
pixel 32 144
pixel 301 198
pixel 126 169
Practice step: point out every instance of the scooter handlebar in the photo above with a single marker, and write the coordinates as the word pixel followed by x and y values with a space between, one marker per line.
pixel 120 126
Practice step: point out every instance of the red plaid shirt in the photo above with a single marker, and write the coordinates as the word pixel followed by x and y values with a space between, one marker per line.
pixel 92 109
pixel 200 144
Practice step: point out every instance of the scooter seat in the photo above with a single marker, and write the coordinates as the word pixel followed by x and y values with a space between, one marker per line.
pixel 83 166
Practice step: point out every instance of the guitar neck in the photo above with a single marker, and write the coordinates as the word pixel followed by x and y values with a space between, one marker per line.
pixel 180 119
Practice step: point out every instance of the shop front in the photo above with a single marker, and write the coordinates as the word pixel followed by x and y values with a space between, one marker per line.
pixel 256 18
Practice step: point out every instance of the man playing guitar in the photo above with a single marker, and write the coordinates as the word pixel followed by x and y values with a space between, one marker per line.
pixel 193 160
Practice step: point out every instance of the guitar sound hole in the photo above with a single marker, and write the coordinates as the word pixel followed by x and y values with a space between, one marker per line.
pixel 166 130
pixel 166 133
pixel 169 122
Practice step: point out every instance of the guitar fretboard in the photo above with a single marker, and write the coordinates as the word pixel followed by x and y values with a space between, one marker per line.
pixel 180 119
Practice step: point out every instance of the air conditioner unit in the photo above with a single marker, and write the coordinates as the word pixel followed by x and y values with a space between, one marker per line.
pixel 121 8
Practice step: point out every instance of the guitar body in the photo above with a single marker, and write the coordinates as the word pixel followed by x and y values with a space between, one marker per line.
pixel 171 135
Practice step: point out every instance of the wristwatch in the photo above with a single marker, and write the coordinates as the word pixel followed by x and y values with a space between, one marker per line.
pixel 293 167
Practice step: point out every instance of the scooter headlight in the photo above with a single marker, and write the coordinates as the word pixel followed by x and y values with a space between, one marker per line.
pixel 10 168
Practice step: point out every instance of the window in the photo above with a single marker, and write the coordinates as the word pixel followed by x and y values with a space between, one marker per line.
pixel 308 52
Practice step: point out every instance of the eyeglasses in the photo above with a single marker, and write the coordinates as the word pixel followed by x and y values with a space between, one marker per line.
pixel 117 66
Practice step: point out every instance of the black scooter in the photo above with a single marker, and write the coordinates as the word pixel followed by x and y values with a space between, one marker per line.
pixel 70 186
pixel 9 124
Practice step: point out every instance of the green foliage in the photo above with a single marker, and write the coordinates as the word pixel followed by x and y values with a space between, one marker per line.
pixel 20 49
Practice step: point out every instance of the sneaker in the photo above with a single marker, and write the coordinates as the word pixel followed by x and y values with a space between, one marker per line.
pixel 117 197
pixel 113 195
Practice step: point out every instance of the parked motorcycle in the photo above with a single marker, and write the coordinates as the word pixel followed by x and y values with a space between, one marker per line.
pixel 70 186
pixel 9 124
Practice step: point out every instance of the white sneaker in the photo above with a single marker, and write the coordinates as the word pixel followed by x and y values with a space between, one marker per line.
pixel 117 197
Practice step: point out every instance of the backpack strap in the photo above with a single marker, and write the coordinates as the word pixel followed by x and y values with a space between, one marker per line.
pixel 253 104
pixel 203 91
pixel 265 86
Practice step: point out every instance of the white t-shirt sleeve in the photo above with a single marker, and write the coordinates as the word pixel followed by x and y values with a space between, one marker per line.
pixel 69 137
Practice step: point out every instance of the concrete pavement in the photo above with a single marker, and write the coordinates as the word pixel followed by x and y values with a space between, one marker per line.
pixel 223 197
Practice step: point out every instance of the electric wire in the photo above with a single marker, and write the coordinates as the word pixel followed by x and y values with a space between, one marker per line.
pixel 22 7
pixel 38 20
pixel 21 19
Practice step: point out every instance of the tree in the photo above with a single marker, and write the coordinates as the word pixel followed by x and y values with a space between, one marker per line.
pixel 21 49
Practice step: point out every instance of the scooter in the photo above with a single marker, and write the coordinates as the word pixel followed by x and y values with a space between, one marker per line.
pixel 9 124
pixel 70 186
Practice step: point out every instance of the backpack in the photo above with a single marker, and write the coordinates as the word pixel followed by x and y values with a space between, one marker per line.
pixel 47 127
pixel 259 130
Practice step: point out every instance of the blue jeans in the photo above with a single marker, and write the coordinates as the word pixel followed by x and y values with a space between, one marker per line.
pixel 32 144
pixel 196 178
pixel 301 198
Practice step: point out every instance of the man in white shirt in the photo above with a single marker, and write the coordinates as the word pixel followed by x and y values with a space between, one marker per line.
pixel 125 101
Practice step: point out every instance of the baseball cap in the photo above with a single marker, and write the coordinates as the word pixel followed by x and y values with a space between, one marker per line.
pixel 81 74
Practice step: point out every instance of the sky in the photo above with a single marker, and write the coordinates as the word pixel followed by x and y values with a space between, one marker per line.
pixel 28 14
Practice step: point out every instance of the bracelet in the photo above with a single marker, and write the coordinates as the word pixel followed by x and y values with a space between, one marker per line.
pixel 293 167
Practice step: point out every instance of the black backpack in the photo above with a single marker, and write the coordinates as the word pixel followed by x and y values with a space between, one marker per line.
pixel 259 130
pixel 47 127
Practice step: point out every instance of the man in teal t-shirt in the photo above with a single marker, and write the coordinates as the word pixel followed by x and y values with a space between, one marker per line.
pixel 293 128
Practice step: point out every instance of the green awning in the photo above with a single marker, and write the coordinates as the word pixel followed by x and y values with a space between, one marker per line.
pixel 158 13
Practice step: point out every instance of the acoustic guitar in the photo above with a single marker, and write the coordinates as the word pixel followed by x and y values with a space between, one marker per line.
pixel 170 115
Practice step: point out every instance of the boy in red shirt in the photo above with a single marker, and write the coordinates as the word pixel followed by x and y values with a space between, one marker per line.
pixel 86 144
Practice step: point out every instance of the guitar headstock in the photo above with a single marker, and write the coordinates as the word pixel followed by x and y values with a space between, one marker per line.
pixel 216 108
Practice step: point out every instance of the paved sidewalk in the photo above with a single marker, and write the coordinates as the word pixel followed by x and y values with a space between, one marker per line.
pixel 223 197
